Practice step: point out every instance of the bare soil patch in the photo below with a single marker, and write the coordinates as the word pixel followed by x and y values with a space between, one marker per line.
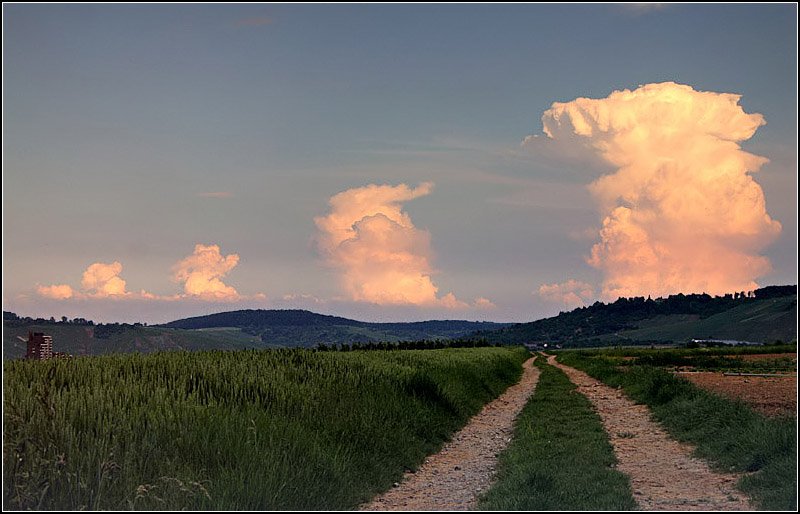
pixel 662 471
pixel 453 478
pixel 772 396
pixel 765 356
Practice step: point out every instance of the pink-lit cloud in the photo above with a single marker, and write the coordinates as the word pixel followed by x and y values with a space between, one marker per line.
pixel 201 273
pixel 382 257
pixel 56 291
pixel 681 211
pixel 303 298
pixel 102 280
pixel 481 303
pixel 571 294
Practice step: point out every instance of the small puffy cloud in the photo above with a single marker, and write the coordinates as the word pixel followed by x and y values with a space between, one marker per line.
pixel 382 257
pixel 202 273
pixel 56 291
pixel 303 298
pixel 481 303
pixel 102 280
pixel 571 294
pixel 681 211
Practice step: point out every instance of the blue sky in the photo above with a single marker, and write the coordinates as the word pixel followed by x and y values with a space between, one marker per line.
pixel 119 120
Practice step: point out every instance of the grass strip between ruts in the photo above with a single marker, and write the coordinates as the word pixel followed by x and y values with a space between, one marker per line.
pixel 727 433
pixel 560 457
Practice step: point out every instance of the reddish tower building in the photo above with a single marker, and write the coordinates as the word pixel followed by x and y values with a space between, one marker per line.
pixel 40 346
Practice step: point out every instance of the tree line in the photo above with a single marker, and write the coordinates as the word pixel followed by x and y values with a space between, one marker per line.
pixel 427 344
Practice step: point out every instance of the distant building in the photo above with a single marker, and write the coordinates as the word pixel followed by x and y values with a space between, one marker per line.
pixel 40 346
pixel 536 346
pixel 726 342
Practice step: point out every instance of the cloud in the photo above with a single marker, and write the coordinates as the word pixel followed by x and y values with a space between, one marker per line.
pixel 483 304
pixel 571 293
pixel 382 257
pixel 56 291
pixel 102 280
pixel 202 273
pixel 681 212
pixel 216 194
pixel 303 298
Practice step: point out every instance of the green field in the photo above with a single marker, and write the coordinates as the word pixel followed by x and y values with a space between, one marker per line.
pixel 726 433
pixel 248 430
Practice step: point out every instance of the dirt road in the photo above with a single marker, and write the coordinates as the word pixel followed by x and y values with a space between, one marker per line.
pixel 453 478
pixel 663 474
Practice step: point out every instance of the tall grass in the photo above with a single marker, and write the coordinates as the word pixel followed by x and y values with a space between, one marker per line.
pixel 560 457
pixel 249 430
pixel 727 433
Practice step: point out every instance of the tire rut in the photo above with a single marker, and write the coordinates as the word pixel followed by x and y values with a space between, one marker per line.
pixel 453 478
pixel 662 471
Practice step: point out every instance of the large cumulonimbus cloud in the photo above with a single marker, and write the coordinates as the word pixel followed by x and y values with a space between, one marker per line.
pixel 382 256
pixel 681 212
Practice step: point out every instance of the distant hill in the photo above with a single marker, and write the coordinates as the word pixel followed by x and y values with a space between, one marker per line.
pixel 263 318
pixel 304 328
pixel 79 340
pixel 769 314
pixel 235 330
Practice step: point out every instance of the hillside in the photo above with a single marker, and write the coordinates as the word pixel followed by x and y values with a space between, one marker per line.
pixel 92 340
pixel 236 330
pixel 304 328
pixel 768 315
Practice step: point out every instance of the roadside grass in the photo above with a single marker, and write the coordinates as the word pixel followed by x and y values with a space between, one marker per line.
pixel 678 353
pixel 560 457
pixel 727 433
pixel 707 359
pixel 247 430
pixel 716 363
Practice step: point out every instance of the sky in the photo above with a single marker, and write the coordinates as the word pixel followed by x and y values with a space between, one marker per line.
pixel 393 162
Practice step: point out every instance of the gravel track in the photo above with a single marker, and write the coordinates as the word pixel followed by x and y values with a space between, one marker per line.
pixel 453 478
pixel 662 471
